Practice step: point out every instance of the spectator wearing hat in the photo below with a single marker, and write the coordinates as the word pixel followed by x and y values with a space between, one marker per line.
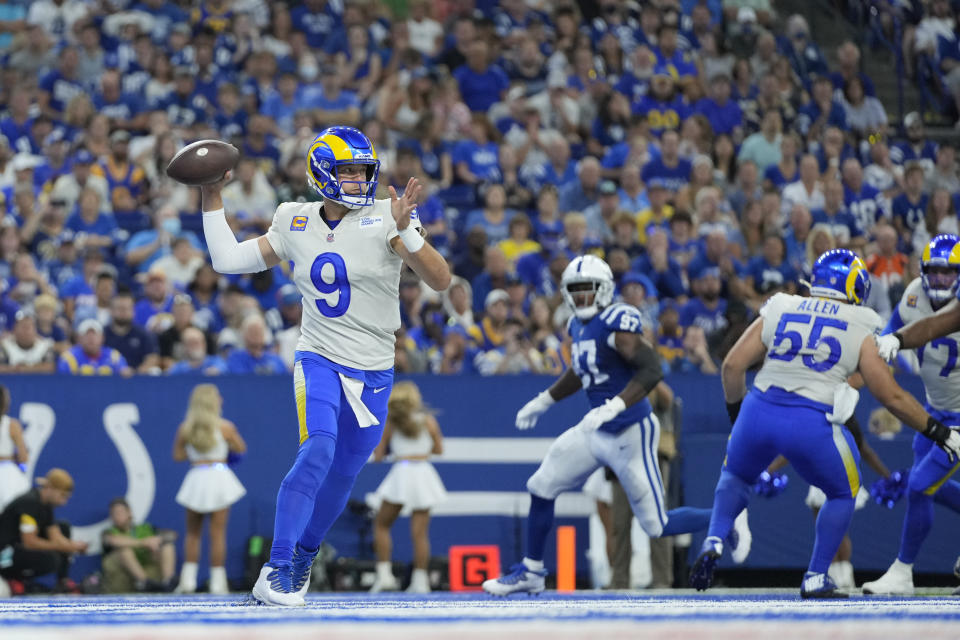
pixel 917 147
pixel 157 299
pixel 144 248
pixel 137 345
pixel 637 290
pixel 89 357
pixel 136 556
pixel 67 188
pixel 23 350
pixel 706 309
pixel 488 334
pixel 254 357
pixel 600 216
pixel 195 358
pixel 670 170
pixel 34 543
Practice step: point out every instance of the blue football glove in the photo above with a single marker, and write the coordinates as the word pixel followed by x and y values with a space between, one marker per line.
pixel 887 491
pixel 23 466
pixel 233 458
pixel 770 485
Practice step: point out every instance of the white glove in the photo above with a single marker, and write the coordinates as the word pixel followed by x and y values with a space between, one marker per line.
pixel 527 416
pixel 604 413
pixel 952 446
pixel 888 346
pixel 845 400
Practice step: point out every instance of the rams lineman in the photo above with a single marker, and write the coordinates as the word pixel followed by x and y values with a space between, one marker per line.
pixel 809 347
pixel 929 477
pixel 347 253
pixel 617 368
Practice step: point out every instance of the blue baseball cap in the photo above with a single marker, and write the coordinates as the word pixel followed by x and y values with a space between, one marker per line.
pixel 635 277
pixel 288 294
pixel 454 329
pixel 83 157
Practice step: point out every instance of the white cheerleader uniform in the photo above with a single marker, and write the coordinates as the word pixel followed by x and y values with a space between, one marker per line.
pixel 13 482
pixel 211 486
pixel 415 484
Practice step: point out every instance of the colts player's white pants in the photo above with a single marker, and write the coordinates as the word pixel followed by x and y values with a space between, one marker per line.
pixel 632 454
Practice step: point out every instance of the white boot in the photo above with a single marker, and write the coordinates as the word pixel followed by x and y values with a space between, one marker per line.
pixel 897 581
pixel 385 580
pixel 188 578
pixel 841 572
pixel 419 582
pixel 218 581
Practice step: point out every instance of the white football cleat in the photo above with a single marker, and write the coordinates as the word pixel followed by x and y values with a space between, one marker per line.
pixel 519 579
pixel 274 587
pixel 742 540
pixel 897 581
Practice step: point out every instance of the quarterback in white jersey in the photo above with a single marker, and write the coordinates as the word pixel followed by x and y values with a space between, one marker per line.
pixel 347 254
pixel 800 400
pixel 929 480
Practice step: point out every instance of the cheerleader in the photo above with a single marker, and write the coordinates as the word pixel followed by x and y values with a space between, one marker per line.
pixel 412 486
pixel 13 452
pixel 210 487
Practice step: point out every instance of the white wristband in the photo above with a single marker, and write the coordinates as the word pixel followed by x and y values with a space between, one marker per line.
pixel 412 239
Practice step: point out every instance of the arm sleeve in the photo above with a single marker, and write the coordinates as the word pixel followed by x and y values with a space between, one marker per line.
pixel 226 254
pixel 894 323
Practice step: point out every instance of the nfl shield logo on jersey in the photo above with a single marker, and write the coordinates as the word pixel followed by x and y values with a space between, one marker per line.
pixel 329 237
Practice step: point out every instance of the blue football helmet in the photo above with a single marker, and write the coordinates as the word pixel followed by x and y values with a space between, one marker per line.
pixel 940 268
pixel 840 274
pixel 334 148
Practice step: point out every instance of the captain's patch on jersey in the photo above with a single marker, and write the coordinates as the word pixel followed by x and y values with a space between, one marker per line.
pixel 299 223
pixel 371 221
pixel 912 301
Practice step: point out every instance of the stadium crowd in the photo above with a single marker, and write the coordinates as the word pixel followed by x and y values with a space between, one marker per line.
pixel 704 148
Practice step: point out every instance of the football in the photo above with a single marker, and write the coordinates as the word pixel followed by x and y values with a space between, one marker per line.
pixel 203 162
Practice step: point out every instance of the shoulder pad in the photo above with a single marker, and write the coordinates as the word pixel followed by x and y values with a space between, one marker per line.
pixel 622 317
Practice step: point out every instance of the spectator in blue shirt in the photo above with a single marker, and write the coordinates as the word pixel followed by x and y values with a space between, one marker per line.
pixel 60 86
pixel 724 114
pixel 124 110
pixel 669 171
pixel 328 101
pixel 916 147
pixel 494 218
pixel 481 84
pixel 146 247
pixel 254 356
pixel 848 67
pixel 821 111
pixel 91 226
pixel 477 159
pixel 197 361
pixel 867 204
pixel 585 192
pixel 803 54
pixel 706 309
pixel 137 345
pixel 676 61
pixel 843 225
pixel 770 272
pixel 157 299
pixel 796 236
pixel 185 106
pixel 663 109
pixel 319 19
pixel 283 103
pixel 910 207
pixel 89 357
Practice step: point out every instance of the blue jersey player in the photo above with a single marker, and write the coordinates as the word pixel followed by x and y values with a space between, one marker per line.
pixel 617 368
pixel 347 252
pixel 799 402
pixel 929 480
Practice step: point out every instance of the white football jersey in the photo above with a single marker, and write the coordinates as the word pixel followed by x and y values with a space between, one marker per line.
pixel 349 277
pixel 813 344
pixel 938 358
